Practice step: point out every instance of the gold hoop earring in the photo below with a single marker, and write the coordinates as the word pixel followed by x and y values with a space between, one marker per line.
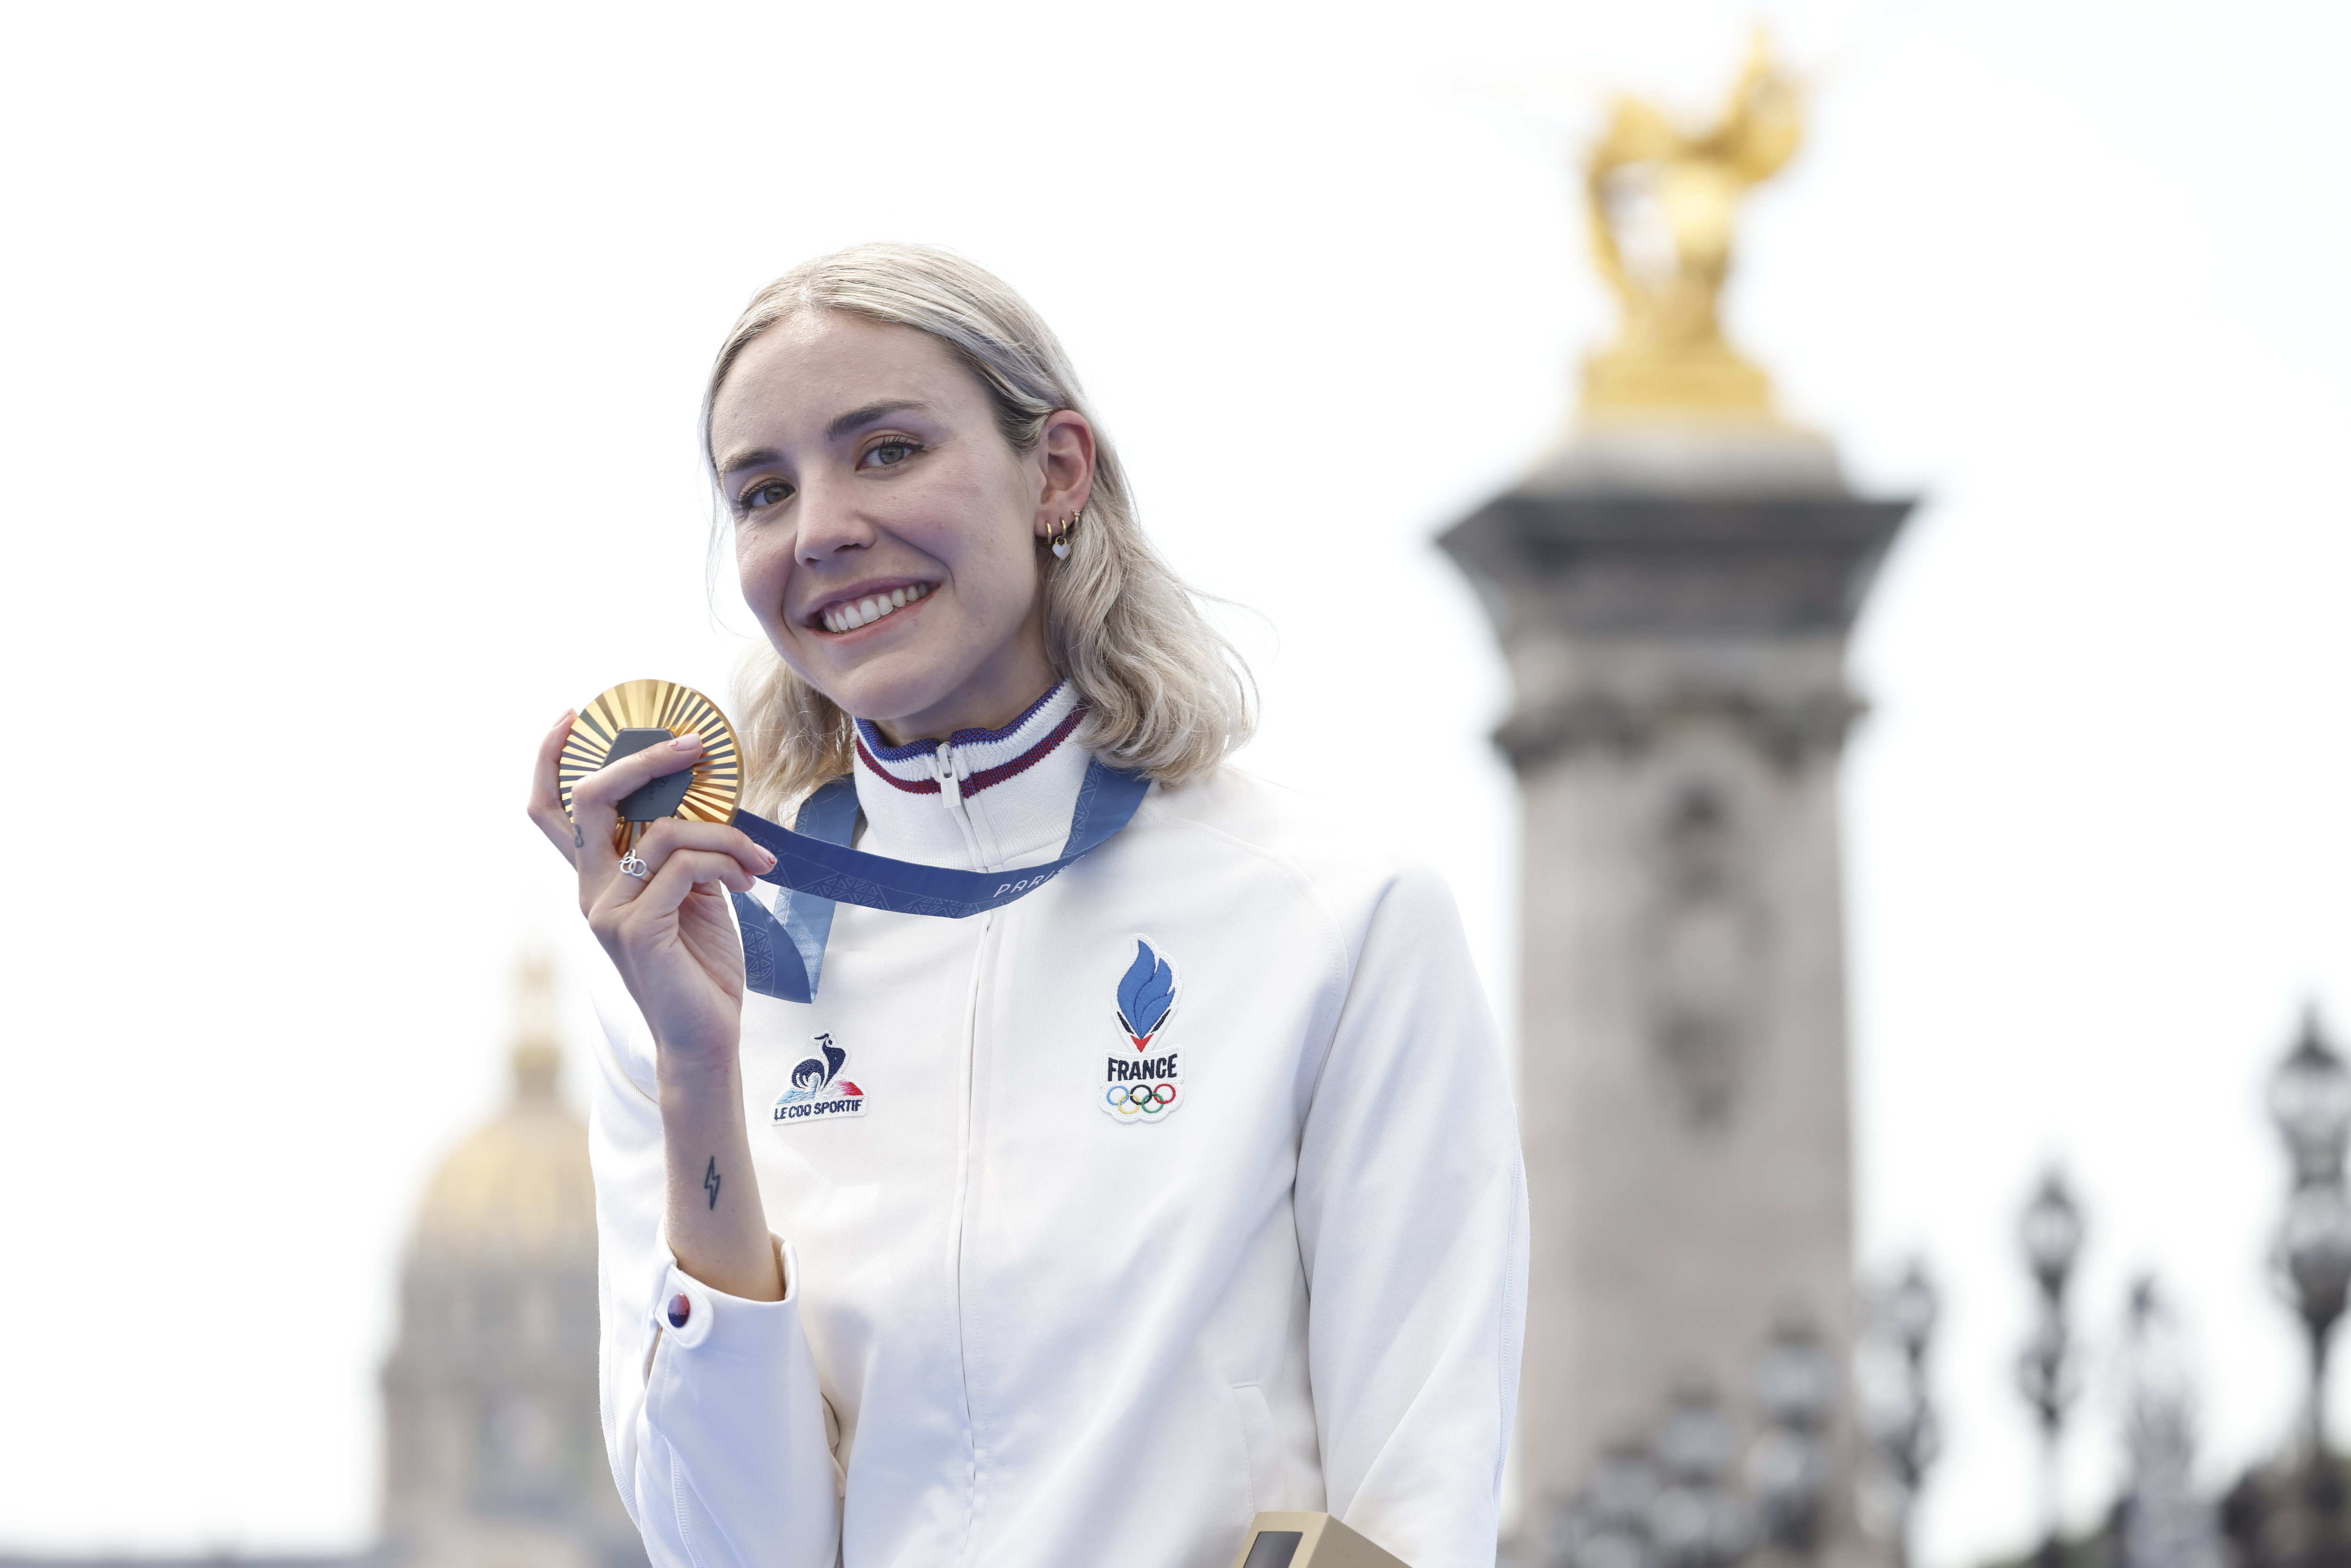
pixel 1062 535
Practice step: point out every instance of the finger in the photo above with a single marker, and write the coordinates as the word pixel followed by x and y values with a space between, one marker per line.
pixel 595 807
pixel 661 892
pixel 604 788
pixel 671 834
pixel 546 804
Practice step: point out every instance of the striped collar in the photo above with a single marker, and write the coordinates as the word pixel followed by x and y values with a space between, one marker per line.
pixel 1006 793
pixel 981 759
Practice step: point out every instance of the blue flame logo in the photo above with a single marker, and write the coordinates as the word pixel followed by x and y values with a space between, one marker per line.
pixel 1146 995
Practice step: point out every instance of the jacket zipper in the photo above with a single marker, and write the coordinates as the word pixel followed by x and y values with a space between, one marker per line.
pixel 944 766
pixel 950 769
pixel 965 1168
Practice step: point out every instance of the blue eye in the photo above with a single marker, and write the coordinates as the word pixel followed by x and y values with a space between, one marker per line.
pixel 774 493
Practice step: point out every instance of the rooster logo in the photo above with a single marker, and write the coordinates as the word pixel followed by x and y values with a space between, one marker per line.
pixel 817 1071
pixel 1146 996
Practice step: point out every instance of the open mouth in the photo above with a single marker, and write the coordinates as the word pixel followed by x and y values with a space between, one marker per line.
pixel 849 614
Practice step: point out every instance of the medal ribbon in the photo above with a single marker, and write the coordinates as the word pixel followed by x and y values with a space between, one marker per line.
pixel 784 957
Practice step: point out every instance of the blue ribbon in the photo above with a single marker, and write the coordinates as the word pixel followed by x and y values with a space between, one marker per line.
pixel 817 869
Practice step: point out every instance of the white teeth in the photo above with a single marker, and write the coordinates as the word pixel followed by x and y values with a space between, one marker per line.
pixel 865 612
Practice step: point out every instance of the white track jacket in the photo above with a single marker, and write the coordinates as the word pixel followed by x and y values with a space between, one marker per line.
pixel 1078 1279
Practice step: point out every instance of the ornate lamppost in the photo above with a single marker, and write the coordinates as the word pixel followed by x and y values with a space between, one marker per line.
pixel 2310 1100
pixel 1606 1524
pixel 1903 1434
pixel 1788 1464
pixel 2050 1232
pixel 2163 1523
pixel 1696 1522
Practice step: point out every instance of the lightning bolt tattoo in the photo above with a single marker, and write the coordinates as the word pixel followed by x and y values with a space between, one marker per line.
pixel 710 1181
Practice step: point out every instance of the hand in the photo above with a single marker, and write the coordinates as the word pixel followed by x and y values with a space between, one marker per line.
pixel 670 933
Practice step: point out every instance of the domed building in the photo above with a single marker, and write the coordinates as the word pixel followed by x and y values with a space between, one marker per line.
pixel 493 1453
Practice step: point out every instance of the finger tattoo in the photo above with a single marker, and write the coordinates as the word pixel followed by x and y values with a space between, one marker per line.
pixel 579 839
pixel 710 1181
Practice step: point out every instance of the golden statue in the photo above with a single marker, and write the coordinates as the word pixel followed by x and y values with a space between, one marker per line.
pixel 1663 204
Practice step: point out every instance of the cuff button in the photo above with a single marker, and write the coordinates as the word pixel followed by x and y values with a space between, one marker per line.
pixel 683 1310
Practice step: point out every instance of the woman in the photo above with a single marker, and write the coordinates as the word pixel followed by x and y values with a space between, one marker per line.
pixel 1079 1230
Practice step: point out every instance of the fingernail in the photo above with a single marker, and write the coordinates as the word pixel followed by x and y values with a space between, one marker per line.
pixel 689 741
pixel 771 858
pixel 563 718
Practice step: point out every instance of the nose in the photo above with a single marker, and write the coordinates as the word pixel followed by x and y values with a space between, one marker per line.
pixel 830 523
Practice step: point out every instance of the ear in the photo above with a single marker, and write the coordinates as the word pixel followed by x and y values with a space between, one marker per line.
pixel 1065 459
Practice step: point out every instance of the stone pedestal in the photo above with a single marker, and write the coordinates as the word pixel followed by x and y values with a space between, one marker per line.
pixel 1674 603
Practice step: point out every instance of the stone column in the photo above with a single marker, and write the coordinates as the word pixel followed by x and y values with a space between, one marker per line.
pixel 1674 602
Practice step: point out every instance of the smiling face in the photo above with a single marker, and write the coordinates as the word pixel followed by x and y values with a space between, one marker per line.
pixel 885 530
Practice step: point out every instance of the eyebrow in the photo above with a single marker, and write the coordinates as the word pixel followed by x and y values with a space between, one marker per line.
pixel 856 419
pixel 752 459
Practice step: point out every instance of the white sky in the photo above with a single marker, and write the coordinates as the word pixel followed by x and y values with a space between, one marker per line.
pixel 350 360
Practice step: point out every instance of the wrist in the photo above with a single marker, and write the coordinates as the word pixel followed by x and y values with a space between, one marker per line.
pixel 697 1068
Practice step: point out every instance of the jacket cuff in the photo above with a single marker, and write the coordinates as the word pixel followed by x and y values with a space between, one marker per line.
pixel 690 1313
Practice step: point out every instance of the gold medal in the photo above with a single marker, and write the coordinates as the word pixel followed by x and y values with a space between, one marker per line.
pixel 635 715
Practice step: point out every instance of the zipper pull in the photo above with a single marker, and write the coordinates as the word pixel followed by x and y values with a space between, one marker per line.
pixel 950 787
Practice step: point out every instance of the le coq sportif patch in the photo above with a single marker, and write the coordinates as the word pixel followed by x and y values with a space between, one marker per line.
pixel 820 1093
pixel 1144 1082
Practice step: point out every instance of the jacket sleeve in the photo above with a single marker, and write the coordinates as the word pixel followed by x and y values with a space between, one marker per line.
pixel 1412 1219
pixel 719 1437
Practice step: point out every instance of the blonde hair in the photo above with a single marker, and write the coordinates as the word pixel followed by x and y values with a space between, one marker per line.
pixel 1166 694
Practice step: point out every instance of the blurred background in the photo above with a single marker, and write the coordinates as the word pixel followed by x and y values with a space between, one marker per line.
pixel 352 356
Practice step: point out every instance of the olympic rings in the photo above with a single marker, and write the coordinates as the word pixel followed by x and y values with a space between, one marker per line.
pixel 1150 1099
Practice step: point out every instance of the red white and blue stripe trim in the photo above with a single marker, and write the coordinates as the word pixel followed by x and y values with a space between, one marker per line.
pixel 982 758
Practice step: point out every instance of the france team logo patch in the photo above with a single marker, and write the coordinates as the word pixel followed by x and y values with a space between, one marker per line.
pixel 1143 1084
pixel 819 1092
